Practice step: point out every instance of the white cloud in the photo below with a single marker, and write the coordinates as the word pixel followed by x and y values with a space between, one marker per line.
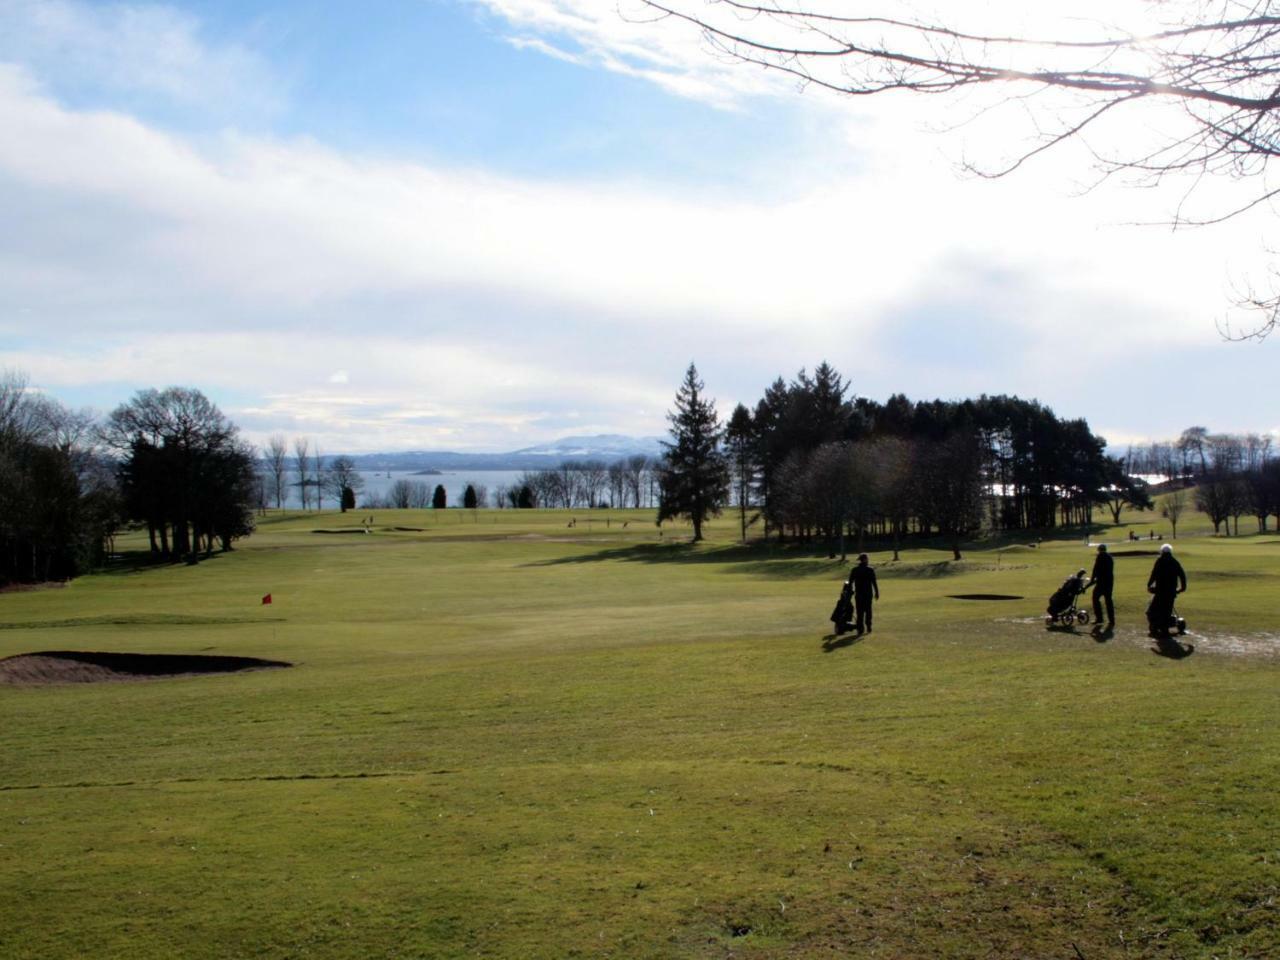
pixel 297 227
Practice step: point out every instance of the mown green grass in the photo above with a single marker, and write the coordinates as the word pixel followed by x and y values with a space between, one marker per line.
pixel 508 737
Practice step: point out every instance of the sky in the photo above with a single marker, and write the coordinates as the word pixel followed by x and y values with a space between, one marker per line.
pixel 480 225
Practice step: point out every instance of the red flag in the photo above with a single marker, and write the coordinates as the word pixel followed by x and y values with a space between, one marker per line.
pixel 267 598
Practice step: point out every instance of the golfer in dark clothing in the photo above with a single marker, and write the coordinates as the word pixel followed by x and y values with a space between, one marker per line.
pixel 1167 580
pixel 863 578
pixel 1103 579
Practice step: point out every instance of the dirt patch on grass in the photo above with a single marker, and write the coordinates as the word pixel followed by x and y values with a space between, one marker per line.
pixel 983 596
pixel 1263 645
pixel 77 666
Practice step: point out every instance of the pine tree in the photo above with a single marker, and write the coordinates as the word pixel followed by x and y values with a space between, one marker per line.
pixel 469 497
pixel 439 498
pixel 693 475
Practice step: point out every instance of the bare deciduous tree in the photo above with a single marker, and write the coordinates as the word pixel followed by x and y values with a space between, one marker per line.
pixel 278 466
pixel 343 475
pixel 401 494
pixel 318 471
pixel 302 462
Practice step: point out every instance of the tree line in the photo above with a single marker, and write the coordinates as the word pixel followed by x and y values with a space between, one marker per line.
pixel 809 462
pixel 625 482
pixel 1231 475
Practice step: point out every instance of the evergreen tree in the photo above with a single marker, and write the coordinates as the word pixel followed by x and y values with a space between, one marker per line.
pixel 439 498
pixel 693 476
pixel 469 497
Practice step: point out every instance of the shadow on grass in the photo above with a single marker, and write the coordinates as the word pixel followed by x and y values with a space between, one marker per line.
pixel 1101 633
pixel 130 561
pixel 780 561
pixel 837 641
pixel 136 561
pixel 1172 649
pixel 1061 628
pixel 137 620
pixel 777 560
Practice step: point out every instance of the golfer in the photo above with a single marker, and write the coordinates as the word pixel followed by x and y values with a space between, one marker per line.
pixel 863 578
pixel 1167 580
pixel 1103 579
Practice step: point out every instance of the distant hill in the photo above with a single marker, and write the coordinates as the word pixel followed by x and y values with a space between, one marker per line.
pixel 607 447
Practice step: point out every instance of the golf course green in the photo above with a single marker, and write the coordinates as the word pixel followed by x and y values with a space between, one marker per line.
pixel 504 736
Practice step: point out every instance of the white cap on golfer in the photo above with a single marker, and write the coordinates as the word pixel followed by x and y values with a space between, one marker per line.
pixel 1166 548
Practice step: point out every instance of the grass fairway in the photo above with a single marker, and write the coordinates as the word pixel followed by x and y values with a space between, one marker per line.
pixel 507 737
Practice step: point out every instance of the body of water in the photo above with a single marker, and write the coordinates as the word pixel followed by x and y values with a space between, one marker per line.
pixel 455 484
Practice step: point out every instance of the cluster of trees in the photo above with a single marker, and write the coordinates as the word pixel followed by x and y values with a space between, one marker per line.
pixel 183 471
pixel 1233 475
pixel 812 462
pixel 626 482
pixel 415 494
pixel 59 504
pixel 167 460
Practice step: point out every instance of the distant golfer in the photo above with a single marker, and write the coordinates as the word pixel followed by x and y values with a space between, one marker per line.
pixel 1103 579
pixel 863 578
pixel 1167 580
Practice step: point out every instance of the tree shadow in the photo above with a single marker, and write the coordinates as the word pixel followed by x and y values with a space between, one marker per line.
pixel 136 561
pixel 837 641
pixel 784 561
pixel 1172 649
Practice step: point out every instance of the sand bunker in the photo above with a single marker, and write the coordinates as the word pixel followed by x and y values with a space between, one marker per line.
pixel 76 666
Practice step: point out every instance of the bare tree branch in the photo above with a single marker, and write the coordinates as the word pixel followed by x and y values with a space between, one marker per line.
pixel 1219 58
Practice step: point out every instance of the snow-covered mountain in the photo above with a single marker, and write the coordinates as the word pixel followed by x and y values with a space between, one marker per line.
pixel 604 446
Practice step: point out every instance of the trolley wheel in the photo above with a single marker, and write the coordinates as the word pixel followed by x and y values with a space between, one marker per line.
pixel 1082 617
pixel 1182 627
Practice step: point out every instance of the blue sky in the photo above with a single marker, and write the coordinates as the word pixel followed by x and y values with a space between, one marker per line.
pixel 483 224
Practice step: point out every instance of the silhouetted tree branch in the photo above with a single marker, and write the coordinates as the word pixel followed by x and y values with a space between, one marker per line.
pixel 1218 60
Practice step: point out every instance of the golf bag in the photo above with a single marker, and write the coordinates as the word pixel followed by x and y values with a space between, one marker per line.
pixel 1163 617
pixel 1065 596
pixel 842 615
